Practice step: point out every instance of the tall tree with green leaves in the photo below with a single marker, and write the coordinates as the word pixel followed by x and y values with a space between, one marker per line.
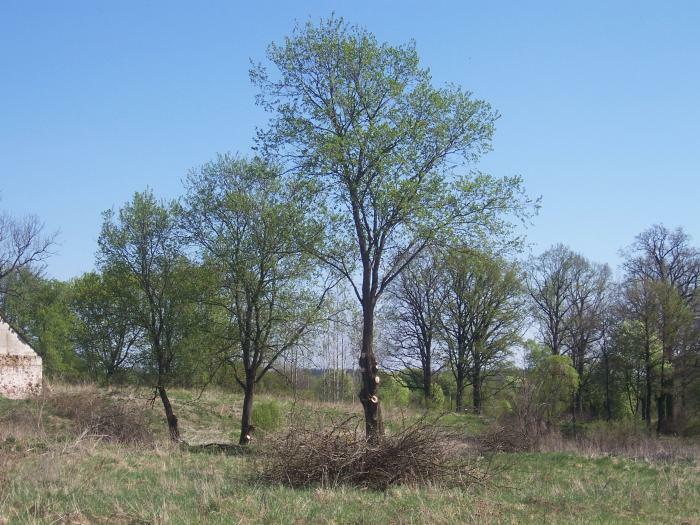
pixel 143 244
pixel 250 225
pixel 362 122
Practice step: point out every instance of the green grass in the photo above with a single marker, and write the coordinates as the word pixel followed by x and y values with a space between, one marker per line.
pixel 70 480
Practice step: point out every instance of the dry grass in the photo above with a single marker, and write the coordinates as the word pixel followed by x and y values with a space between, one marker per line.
pixel 94 415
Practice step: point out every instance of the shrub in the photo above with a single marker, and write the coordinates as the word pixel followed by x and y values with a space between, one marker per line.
pixel 392 392
pixel 437 397
pixel 267 415
pixel 522 427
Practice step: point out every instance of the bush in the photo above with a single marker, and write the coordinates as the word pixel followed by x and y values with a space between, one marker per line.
pixel 437 397
pixel 418 454
pixel 392 392
pixel 267 415
pixel 103 418
pixel 522 427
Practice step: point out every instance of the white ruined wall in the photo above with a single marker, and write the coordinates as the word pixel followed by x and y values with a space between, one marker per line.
pixel 20 366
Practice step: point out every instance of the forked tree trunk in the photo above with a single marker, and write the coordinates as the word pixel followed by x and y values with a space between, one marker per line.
pixel 169 415
pixel 374 425
pixel 246 416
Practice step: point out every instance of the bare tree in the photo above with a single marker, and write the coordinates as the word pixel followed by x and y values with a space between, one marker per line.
pixel 550 281
pixel 23 244
pixel 414 352
pixel 585 320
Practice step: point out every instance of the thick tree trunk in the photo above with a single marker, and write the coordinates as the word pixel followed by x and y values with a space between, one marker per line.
pixel 666 423
pixel 246 415
pixel 374 425
pixel 169 414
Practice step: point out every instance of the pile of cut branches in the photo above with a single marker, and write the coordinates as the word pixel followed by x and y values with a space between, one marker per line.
pixel 421 453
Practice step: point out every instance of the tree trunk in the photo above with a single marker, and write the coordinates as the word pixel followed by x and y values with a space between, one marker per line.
pixel 459 392
pixel 578 400
pixel 476 391
pixel 647 399
pixel 427 384
pixel 374 425
pixel 246 415
pixel 169 415
pixel 608 400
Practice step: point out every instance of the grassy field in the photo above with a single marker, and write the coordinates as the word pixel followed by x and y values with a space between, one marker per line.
pixel 50 473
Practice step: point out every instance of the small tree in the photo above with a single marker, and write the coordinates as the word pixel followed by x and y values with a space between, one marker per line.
pixel 142 244
pixel 40 308
pixel 554 380
pixel 250 226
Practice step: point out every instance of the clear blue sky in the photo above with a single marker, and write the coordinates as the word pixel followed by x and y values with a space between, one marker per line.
pixel 599 103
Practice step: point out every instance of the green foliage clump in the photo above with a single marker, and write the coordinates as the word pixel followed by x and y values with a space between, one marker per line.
pixel 437 398
pixel 267 415
pixel 394 393
pixel 555 381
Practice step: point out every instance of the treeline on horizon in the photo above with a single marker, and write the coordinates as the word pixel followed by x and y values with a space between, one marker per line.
pixel 255 274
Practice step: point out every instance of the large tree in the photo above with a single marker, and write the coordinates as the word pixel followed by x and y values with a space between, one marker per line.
pixel 363 121
pixel 550 281
pixel 585 324
pixel 414 352
pixel 667 258
pixel 250 226
pixel 482 318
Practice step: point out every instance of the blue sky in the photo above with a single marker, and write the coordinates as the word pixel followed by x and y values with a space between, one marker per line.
pixel 599 103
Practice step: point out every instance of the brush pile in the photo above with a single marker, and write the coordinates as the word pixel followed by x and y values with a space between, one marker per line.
pixel 419 454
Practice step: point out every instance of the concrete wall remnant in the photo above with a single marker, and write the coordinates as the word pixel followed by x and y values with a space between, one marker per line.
pixel 20 365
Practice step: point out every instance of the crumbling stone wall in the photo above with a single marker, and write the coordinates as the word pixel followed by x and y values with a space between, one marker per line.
pixel 20 366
